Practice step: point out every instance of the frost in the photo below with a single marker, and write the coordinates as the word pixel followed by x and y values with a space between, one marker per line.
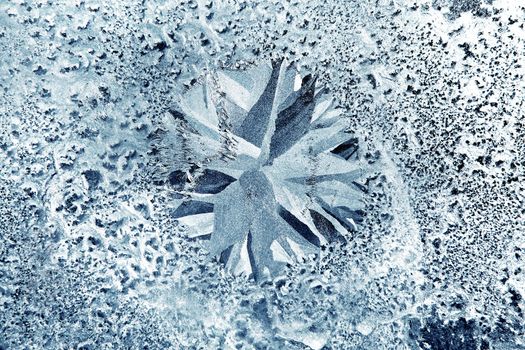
pixel 138 137
pixel 278 175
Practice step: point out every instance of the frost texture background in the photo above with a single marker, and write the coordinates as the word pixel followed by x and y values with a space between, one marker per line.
pixel 93 256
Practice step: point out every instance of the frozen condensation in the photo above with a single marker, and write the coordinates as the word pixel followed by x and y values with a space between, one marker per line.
pixel 262 174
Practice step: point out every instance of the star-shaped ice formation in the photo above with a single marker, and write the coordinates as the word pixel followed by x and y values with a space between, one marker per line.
pixel 269 173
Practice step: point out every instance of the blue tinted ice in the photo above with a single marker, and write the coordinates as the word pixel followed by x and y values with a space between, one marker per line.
pixel 276 187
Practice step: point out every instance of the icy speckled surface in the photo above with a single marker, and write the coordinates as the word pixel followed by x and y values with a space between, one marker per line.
pixel 93 254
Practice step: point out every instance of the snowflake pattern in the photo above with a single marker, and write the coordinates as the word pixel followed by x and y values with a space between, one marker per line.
pixel 263 167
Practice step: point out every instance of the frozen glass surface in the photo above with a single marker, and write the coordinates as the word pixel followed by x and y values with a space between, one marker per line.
pixel 231 174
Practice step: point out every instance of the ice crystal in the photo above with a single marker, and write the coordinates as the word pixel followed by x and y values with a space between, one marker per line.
pixel 277 174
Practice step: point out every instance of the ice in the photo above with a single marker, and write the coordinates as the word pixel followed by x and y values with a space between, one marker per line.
pixel 254 203
pixel 232 174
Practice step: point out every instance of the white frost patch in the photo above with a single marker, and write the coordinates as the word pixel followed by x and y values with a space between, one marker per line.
pixel 243 265
pixel 297 82
pixel 237 93
pixel 296 248
pixel 279 254
pixel 199 224
pixel 315 341
pixel 247 148
pixel 365 328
